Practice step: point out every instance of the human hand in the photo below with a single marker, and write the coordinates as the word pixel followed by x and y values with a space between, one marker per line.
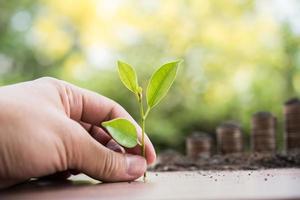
pixel 50 126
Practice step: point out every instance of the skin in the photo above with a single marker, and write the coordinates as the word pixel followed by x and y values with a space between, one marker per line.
pixel 52 128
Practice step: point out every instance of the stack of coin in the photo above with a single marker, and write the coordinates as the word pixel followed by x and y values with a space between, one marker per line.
pixel 292 124
pixel 263 133
pixel 229 138
pixel 168 157
pixel 198 145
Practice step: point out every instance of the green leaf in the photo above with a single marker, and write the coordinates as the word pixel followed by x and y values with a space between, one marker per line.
pixel 122 131
pixel 160 83
pixel 128 76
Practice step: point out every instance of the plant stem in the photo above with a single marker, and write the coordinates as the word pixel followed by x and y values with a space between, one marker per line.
pixel 142 124
pixel 143 142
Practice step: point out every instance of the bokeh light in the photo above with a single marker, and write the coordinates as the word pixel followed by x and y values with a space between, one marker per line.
pixel 241 56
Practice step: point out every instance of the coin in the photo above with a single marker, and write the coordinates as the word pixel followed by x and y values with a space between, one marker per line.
pixel 198 145
pixel 292 124
pixel 292 106
pixel 263 132
pixel 267 132
pixel 263 120
pixel 229 138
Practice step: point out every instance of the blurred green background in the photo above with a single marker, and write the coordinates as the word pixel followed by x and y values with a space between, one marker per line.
pixel 240 56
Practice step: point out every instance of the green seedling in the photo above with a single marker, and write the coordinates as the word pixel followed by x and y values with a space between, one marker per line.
pixel 122 130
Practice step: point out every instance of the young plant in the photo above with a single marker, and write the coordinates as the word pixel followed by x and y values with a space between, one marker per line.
pixel 122 130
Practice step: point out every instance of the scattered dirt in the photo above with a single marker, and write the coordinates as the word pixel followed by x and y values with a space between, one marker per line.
pixel 173 161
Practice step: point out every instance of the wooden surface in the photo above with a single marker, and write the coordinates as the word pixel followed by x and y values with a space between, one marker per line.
pixel 264 184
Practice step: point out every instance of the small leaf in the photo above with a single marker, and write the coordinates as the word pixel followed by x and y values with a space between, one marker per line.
pixel 160 83
pixel 122 131
pixel 128 76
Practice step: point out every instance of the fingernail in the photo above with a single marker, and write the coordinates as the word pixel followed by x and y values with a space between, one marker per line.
pixel 136 165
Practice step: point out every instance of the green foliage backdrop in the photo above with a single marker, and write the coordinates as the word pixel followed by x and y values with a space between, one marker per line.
pixel 240 56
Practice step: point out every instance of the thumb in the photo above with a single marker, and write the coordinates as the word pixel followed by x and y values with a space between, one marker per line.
pixel 101 163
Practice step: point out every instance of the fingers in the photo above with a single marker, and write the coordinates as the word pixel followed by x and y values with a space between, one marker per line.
pixel 101 163
pixel 97 133
pixel 114 146
pixel 101 136
pixel 84 105
pixel 92 108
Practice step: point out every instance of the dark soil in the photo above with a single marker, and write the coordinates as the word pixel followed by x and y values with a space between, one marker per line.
pixel 173 161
